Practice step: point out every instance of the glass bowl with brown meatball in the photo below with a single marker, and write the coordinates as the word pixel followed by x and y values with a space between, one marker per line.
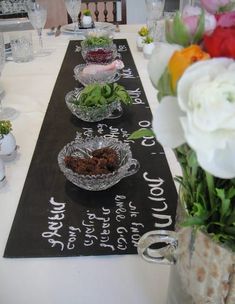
pixel 97 163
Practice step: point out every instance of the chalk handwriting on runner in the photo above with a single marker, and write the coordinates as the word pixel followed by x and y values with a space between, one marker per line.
pixel 135 95
pixel 157 196
pixel 127 73
pixel 122 48
pixel 55 223
pixel 147 141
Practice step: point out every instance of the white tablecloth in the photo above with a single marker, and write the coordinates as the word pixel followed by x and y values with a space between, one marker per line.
pixel 79 280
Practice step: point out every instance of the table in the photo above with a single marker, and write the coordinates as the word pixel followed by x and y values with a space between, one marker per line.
pixel 80 280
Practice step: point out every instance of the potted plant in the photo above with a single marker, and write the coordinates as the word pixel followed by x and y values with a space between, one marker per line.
pixel 148 46
pixel 7 141
pixel 142 33
pixel 87 18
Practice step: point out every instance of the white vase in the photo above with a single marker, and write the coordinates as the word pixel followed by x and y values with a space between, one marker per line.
pixel 86 21
pixel 140 42
pixel 148 49
pixel 2 173
pixel 7 147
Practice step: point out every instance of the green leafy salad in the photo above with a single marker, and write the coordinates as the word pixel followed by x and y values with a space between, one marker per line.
pixel 95 41
pixel 96 95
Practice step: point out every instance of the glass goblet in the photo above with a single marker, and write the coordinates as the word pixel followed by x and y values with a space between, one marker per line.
pixel 73 8
pixel 6 113
pixel 155 10
pixel 37 15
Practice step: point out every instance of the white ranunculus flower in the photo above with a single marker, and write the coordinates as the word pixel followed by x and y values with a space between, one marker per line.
pixel 159 60
pixel 206 101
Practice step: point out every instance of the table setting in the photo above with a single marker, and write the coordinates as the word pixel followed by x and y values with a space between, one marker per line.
pixel 86 187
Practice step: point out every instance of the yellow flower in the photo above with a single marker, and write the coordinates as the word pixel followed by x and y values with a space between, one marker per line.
pixel 182 59
pixel 143 31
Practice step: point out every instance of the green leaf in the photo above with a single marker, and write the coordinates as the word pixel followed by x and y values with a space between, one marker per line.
pixel 164 86
pixel 200 28
pixel 194 221
pixel 225 203
pixel 141 133
pixel 180 33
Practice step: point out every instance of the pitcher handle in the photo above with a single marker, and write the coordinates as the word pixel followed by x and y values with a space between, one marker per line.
pixel 163 255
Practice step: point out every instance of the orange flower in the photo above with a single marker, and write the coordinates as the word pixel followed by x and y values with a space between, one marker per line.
pixel 182 59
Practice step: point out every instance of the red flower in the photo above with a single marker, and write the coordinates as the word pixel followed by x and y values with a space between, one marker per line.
pixel 221 43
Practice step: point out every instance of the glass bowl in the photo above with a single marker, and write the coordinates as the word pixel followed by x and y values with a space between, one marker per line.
pixel 92 114
pixel 100 55
pixel 107 31
pixel 103 77
pixel 82 148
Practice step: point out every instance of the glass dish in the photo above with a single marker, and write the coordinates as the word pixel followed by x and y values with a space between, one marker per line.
pixel 101 78
pixel 83 147
pixel 92 114
pixel 100 55
pixel 99 32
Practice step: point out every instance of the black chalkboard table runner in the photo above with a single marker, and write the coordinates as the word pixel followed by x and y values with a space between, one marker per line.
pixel 55 218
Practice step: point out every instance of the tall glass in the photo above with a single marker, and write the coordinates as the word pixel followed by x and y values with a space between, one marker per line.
pixel 37 15
pixel 5 113
pixel 73 8
pixel 155 10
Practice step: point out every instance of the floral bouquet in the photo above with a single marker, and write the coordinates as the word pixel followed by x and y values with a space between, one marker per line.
pixel 194 74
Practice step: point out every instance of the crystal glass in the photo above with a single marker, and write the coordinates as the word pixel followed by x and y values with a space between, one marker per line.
pixel 37 15
pixel 155 10
pixel 82 148
pixel 6 113
pixel 103 55
pixel 73 8
pixel 107 76
pixel 92 114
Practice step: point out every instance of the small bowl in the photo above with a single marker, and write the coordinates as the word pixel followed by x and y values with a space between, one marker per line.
pixel 100 55
pixel 99 32
pixel 83 147
pixel 92 114
pixel 101 78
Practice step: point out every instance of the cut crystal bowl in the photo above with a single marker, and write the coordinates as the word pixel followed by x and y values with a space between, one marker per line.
pixel 82 148
pixel 92 114
pixel 102 55
pixel 101 77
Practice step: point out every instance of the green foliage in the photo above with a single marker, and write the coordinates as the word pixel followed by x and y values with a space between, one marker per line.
pixel 87 12
pixel 143 132
pixel 210 201
pixel 200 29
pixel 164 85
pixel 5 127
pixel 96 95
pixel 148 39
pixel 94 41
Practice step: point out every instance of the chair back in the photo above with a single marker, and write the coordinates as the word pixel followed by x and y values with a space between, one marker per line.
pixel 113 11
pixel 12 9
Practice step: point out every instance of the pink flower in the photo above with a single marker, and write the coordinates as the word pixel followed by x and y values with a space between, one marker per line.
pixel 226 19
pixel 191 16
pixel 213 6
pixel 191 24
